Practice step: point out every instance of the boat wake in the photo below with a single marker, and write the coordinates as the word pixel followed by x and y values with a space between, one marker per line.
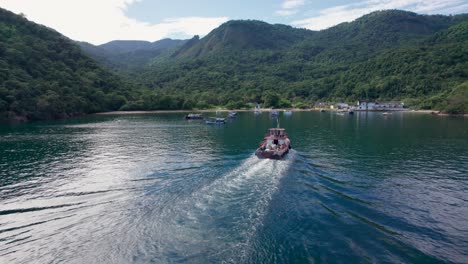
pixel 219 220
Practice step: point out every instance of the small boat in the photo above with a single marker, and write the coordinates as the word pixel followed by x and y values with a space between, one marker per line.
pixel 341 112
pixel 287 112
pixel 232 114
pixel 215 121
pixel 275 146
pixel 193 116
pixel 274 113
pixel 386 113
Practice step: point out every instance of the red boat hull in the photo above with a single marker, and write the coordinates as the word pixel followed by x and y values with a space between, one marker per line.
pixel 277 154
pixel 271 154
pixel 275 146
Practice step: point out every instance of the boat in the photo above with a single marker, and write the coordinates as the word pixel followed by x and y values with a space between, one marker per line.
pixel 340 112
pixel 232 114
pixel 351 112
pixel 287 112
pixel 257 110
pixel 275 146
pixel 193 116
pixel 215 121
pixel 386 113
pixel 322 110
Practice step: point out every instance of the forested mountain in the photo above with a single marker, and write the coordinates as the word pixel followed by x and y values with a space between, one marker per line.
pixel 386 55
pixel 44 75
pixel 125 46
pixel 129 55
pixel 243 35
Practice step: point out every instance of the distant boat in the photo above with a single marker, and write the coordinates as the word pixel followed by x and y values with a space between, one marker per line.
pixel 274 113
pixel 193 116
pixel 275 146
pixel 386 113
pixel 215 121
pixel 232 114
pixel 287 112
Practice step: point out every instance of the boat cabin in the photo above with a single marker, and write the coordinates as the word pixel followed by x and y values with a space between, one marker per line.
pixel 276 139
pixel 276 144
pixel 277 132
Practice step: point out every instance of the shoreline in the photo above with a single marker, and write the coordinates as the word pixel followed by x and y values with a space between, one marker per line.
pixel 197 111
pixel 21 120
pixel 140 112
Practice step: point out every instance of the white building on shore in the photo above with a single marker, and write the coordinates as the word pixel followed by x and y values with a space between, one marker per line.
pixel 380 106
pixel 340 106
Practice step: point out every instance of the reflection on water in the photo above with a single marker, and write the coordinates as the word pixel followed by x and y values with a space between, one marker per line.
pixel 155 188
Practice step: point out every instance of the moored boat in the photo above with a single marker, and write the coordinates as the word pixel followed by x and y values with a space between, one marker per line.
pixel 193 116
pixel 340 112
pixel 287 112
pixel 274 113
pixel 215 121
pixel 275 146
pixel 232 114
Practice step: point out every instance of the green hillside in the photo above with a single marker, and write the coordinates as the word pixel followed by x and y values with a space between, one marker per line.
pixel 125 56
pixel 44 75
pixel 243 35
pixel 387 55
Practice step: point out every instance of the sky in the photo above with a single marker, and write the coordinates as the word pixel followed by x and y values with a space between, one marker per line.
pixel 101 21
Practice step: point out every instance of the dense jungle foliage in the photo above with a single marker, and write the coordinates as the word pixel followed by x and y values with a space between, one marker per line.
pixel 387 55
pixel 44 75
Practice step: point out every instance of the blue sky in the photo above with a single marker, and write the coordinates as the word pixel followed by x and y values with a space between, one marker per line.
pixel 157 10
pixel 100 21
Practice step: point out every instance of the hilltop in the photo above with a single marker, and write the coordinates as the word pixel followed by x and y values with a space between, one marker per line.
pixel 386 55
pixel 44 75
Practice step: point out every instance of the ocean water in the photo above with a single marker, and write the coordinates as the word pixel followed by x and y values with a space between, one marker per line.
pixel 155 188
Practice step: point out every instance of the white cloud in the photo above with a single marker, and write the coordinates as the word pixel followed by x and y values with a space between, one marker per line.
pixel 289 7
pixel 284 12
pixel 290 4
pixel 344 13
pixel 100 21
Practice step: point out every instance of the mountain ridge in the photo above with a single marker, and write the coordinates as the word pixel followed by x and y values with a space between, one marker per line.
pixel 245 34
pixel 322 65
pixel 44 75
pixel 385 55
pixel 129 54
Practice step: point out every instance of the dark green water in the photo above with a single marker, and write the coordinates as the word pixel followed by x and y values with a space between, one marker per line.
pixel 158 189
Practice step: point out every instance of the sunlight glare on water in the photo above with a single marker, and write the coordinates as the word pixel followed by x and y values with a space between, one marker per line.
pixel 158 189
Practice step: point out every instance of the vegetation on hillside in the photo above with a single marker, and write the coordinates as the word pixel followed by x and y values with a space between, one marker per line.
pixel 388 55
pixel 126 56
pixel 44 75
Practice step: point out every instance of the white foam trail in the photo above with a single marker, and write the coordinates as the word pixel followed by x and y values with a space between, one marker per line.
pixel 221 218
